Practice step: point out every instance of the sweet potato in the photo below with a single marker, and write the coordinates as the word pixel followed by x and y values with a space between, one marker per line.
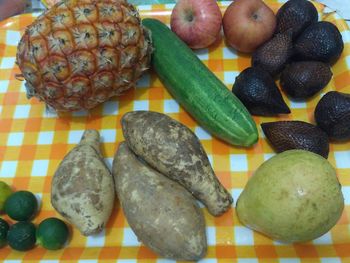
pixel 175 151
pixel 164 216
pixel 82 188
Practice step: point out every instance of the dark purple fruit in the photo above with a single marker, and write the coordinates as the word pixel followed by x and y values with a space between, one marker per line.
pixel 273 55
pixel 302 80
pixel 258 92
pixel 288 135
pixel 320 41
pixel 295 15
pixel 332 114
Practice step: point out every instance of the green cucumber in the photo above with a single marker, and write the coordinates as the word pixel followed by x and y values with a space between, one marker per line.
pixel 197 89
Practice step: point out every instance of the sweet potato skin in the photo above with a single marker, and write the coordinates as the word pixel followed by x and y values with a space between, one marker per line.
pixel 175 151
pixel 82 187
pixel 163 215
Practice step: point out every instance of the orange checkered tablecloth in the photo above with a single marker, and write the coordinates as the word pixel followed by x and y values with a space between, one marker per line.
pixel 34 141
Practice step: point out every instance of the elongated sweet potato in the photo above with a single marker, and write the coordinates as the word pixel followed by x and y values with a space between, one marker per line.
pixel 164 216
pixel 175 151
pixel 82 188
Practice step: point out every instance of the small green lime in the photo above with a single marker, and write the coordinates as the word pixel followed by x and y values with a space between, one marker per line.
pixel 4 228
pixel 5 192
pixel 21 205
pixel 52 233
pixel 21 236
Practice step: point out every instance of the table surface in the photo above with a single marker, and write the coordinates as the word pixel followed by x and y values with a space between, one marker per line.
pixel 33 142
pixel 36 5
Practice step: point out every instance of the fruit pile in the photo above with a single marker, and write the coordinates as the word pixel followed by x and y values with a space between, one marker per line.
pixel 76 56
pixel 22 206
pixel 300 53
pixel 278 196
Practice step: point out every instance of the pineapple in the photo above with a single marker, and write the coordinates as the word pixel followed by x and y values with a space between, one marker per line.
pixel 80 53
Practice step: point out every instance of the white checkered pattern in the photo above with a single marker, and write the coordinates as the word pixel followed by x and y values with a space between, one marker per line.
pixel 325 239
pixel 236 192
pixel 342 159
pixel 39 198
pixel 110 108
pixel 268 156
pixel 238 162
pixel 97 240
pixel 108 136
pixel 15 139
pixel 108 162
pixel 8 169
pixel 81 113
pixel 7 62
pixel 126 261
pixel 243 236
pixel 40 167
pixel 45 138
pixel 202 134
pixel 141 105
pixel 12 38
pixel 208 260
pixel 211 236
pixel 202 54
pixel 330 260
pixel 22 112
pixel 144 7
pixel 171 106
pixel 75 136
pixel 229 53
pixel 4 86
pixel 129 238
pixel 144 81
pixel 230 77
pixel 289 260
pixel 247 260
pixel 346 194
pixel 297 104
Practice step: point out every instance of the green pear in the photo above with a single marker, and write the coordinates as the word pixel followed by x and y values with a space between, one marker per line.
pixel 294 196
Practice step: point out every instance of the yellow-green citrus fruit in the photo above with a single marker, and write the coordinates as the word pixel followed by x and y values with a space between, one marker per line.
pixel 21 205
pixel 4 228
pixel 21 236
pixel 52 233
pixel 5 192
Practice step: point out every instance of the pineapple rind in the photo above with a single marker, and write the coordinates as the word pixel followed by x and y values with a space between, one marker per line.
pixel 80 53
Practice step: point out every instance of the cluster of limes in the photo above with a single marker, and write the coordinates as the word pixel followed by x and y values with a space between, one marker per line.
pixel 21 206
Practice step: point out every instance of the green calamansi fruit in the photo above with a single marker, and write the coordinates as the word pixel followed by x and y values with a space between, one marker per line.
pixel 21 236
pixel 5 192
pixel 4 228
pixel 52 233
pixel 293 197
pixel 21 205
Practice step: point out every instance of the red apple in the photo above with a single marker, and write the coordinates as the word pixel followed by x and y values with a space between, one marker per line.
pixel 196 22
pixel 248 24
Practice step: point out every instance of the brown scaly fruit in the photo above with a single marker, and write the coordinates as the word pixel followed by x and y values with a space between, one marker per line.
pixel 332 114
pixel 289 135
pixel 274 54
pixel 304 79
pixel 295 15
pixel 259 93
pixel 79 54
pixel 320 41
